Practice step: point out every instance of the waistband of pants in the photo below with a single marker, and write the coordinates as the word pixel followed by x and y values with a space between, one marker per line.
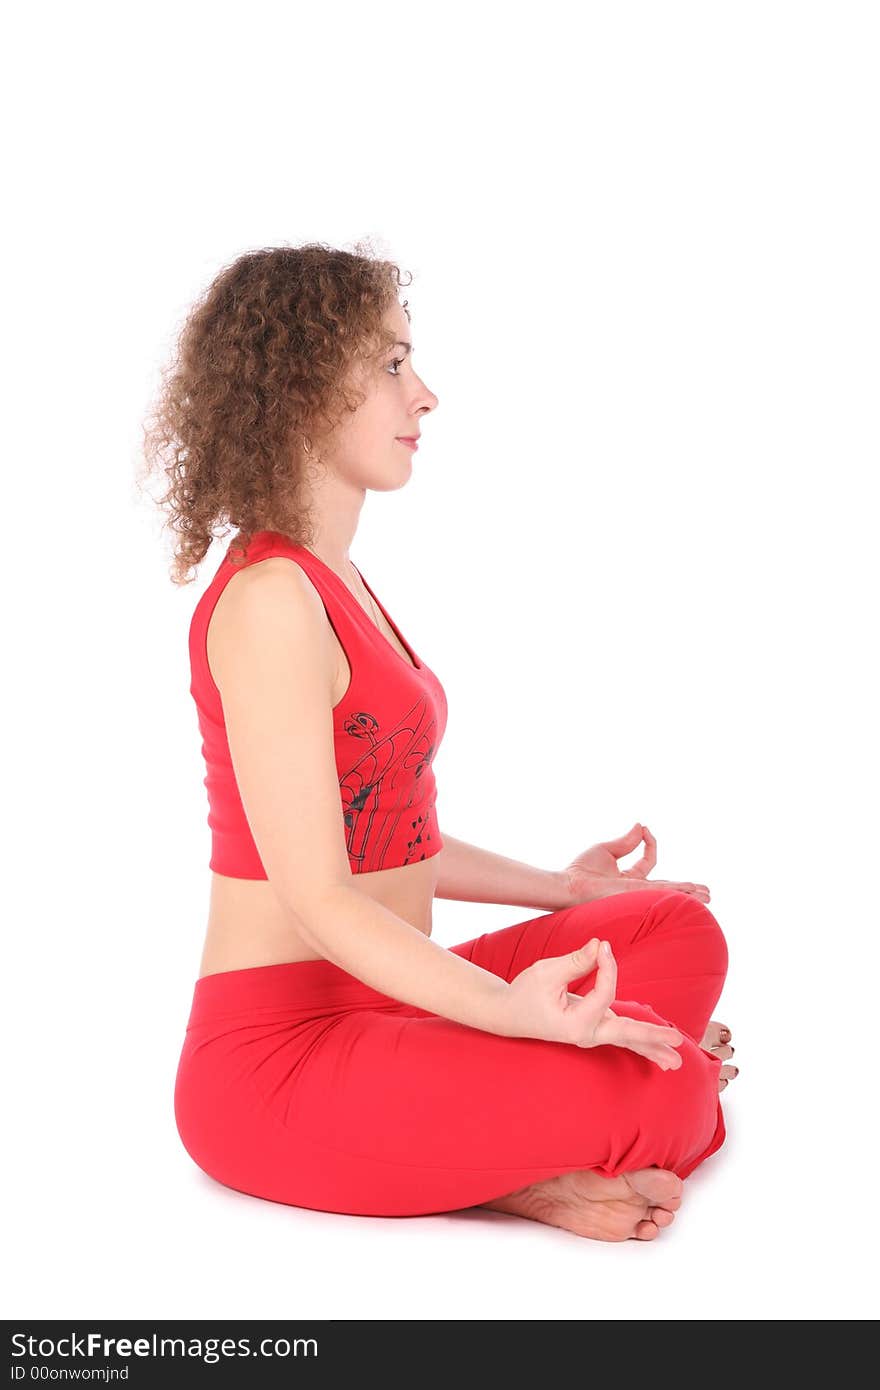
pixel 299 984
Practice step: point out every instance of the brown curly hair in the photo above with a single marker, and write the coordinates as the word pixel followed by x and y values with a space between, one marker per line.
pixel 262 373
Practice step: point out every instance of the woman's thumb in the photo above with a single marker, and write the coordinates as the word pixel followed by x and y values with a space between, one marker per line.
pixel 582 959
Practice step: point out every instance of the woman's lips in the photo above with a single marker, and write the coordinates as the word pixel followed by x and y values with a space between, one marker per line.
pixel 410 443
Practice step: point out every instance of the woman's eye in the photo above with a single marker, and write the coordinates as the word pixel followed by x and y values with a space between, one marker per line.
pixel 398 362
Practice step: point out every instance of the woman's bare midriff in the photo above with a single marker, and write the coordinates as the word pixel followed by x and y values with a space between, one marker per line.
pixel 247 925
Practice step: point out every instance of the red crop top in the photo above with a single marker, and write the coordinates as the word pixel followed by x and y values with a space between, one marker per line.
pixel 386 730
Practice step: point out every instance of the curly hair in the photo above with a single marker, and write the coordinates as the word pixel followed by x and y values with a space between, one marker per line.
pixel 261 374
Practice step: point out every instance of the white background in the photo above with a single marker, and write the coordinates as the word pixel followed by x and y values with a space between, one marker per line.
pixel 635 546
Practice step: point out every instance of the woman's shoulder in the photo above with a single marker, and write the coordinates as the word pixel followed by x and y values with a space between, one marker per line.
pixel 274 593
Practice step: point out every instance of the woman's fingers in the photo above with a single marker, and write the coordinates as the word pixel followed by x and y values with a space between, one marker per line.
pixel 657 1042
pixel 604 991
pixel 649 858
pixel 665 1057
pixel 636 883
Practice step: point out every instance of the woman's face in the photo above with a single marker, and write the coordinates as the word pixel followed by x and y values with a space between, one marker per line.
pixel 366 449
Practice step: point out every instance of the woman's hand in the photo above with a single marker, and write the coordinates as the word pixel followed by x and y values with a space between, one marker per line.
pixel 537 1004
pixel 594 874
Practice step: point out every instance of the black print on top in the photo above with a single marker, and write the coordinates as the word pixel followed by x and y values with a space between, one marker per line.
pixel 392 765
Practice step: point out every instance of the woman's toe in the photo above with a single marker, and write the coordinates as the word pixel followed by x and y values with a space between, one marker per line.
pixel 717 1035
pixel 661 1216
pixel 726 1074
pixel 646 1230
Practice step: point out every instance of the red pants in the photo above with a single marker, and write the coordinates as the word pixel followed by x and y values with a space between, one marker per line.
pixel 301 1084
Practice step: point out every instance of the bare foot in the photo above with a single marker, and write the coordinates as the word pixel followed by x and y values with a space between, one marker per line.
pixel 716 1039
pixel 633 1206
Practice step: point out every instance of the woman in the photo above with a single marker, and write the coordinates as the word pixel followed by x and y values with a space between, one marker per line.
pixel 565 1068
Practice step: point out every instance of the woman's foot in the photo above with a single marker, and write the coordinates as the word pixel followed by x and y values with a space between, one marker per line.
pixel 633 1206
pixel 716 1039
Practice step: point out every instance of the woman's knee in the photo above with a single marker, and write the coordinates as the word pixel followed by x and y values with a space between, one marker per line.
pixel 659 932
pixel 679 917
pixel 635 913
pixel 689 1091
pixel 687 911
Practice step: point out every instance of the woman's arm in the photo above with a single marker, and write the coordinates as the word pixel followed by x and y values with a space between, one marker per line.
pixel 475 875
pixel 274 670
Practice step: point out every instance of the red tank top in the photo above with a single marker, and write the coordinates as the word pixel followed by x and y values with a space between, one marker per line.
pixel 386 730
